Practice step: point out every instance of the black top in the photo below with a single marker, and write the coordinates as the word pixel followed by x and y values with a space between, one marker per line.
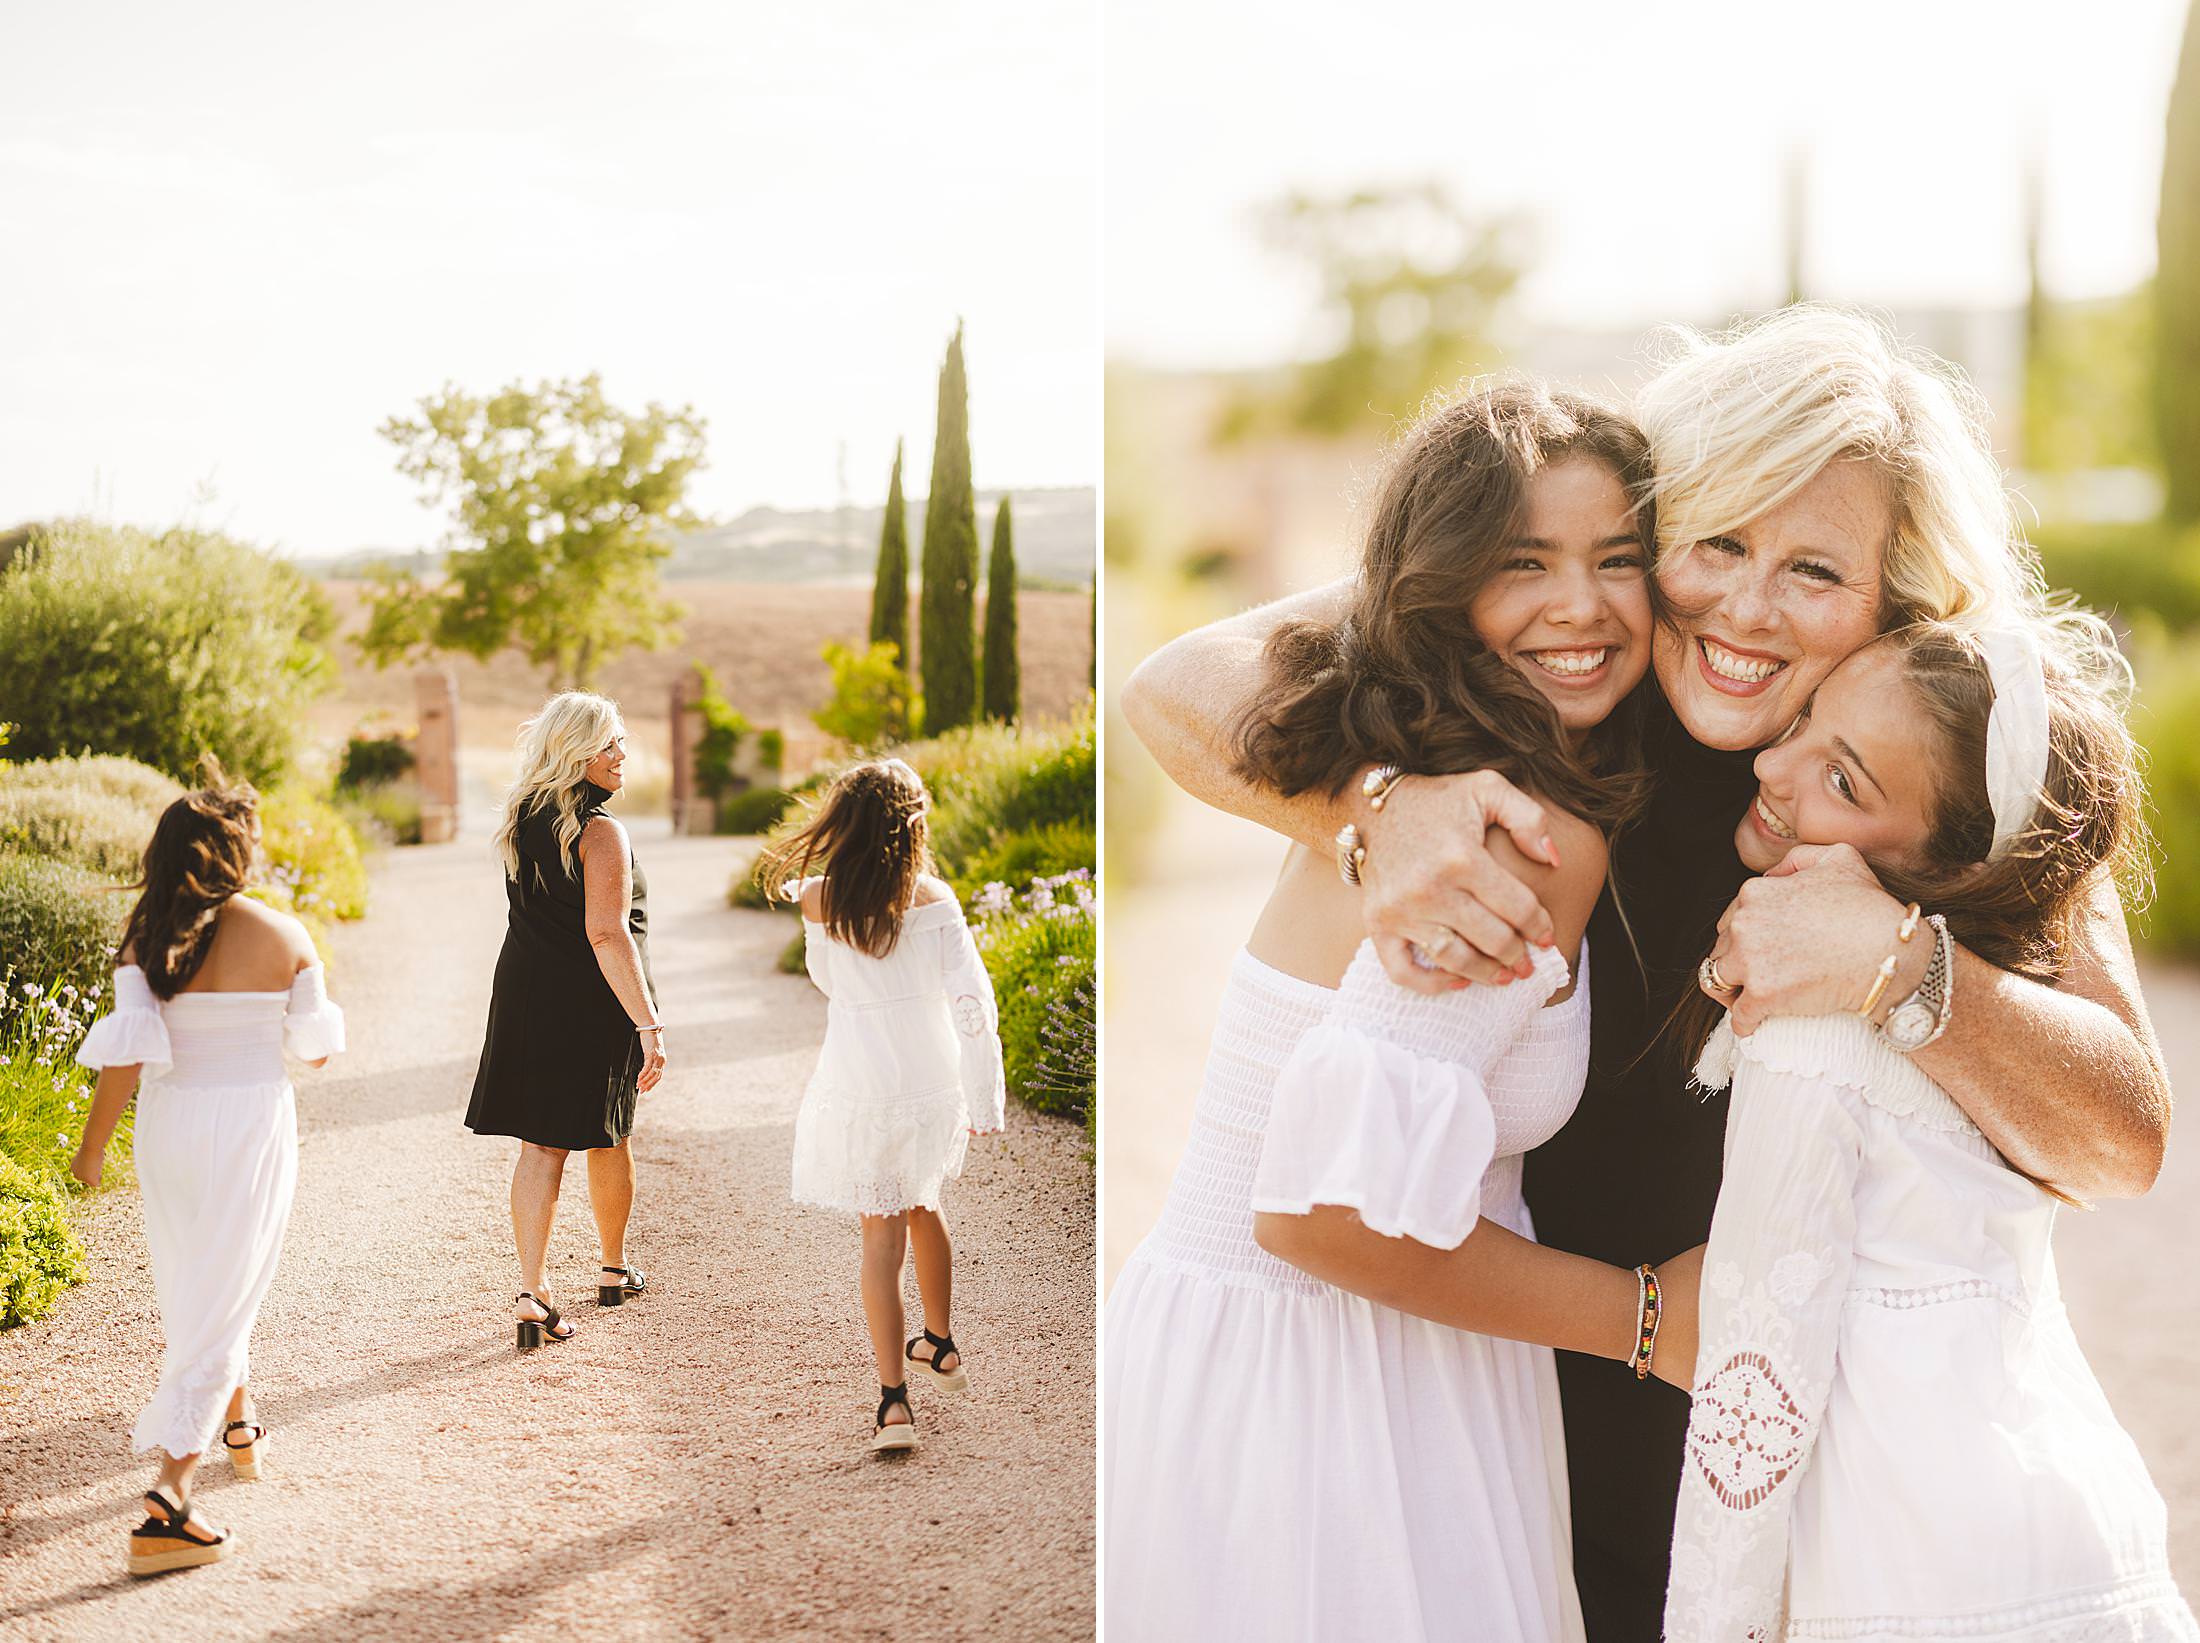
pixel 1634 1175
pixel 560 1060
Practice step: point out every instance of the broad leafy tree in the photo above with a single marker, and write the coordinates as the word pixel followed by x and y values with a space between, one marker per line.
pixel 565 507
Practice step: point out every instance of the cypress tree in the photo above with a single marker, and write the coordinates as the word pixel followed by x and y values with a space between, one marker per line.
pixel 1003 675
pixel 2177 287
pixel 890 591
pixel 947 638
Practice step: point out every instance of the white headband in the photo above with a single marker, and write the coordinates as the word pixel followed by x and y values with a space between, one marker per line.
pixel 2016 731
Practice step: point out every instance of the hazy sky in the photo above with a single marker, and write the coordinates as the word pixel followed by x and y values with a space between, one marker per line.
pixel 239 236
pixel 1648 142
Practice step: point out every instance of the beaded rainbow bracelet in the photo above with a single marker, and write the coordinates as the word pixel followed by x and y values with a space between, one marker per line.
pixel 1651 1307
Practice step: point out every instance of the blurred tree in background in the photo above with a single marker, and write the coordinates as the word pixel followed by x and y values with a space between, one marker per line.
pixel 1412 292
pixel 2177 287
pixel 1003 676
pixel 947 636
pixel 890 587
pixel 2088 370
pixel 566 504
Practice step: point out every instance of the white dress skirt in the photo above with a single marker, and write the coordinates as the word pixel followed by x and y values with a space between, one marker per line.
pixel 217 1165
pixel 910 1066
pixel 1894 1434
pixel 1284 1460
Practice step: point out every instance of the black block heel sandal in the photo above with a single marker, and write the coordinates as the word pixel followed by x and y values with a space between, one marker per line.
pixel 900 1435
pixel 631 1282
pixel 244 1458
pixel 534 1331
pixel 947 1380
pixel 163 1543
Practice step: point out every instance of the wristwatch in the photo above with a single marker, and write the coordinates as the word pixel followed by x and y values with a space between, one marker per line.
pixel 1921 1018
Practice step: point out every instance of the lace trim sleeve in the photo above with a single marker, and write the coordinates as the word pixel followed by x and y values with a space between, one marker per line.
pixel 977 1026
pixel 1778 1265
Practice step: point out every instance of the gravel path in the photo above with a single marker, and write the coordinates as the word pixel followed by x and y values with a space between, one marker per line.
pixel 691 1465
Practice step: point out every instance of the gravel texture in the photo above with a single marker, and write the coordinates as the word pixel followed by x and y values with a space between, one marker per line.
pixel 691 1465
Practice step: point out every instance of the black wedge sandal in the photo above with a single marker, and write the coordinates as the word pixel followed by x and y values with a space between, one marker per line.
pixel 163 1543
pixel 631 1282
pixel 900 1435
pixel 244 1458
pixel 947 1380
pixel 534 1331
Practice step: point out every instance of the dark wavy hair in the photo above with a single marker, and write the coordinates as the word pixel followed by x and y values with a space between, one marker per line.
pixel 871 839
pixel 200 856
pixel 1404 678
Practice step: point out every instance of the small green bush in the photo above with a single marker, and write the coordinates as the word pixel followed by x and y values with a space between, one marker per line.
pixel 159 647
pixel 1059 847
pixel 106 774
pixel 1016 785
pixel 1040 948
pixel 39 1253
pixel 388 814
pixel 753 810
pixel 316 870
pixel 59 923
pixel 2132 574
pixel 96 831
pixel 374 761
pixel 791 960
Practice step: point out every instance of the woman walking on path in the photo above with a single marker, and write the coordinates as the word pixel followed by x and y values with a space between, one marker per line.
pixel 911 1066
pixel 212 988
pixel 573 1028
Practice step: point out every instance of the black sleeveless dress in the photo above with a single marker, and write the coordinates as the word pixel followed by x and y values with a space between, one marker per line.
pixel 561 1058
pixel 1634 1175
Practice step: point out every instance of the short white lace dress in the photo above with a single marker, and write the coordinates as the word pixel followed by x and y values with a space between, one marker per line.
pixel 1286 1461
pixel 911 1064
pixel 1894 1434
pixel 217 1164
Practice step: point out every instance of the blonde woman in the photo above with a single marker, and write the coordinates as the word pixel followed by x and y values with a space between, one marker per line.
pixel 573 1034
pixel 1818 485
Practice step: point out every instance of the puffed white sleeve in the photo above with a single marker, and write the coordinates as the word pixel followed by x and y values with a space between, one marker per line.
pixel 977 1026
pixel 132 1033
pixel 1382 1106
pixel 1774 1277
pixel 313 1024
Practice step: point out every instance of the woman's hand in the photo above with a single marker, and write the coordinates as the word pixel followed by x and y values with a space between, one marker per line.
pixel 1429 881
pixel 1808 938
pixel 1680 1291
pixel 86 1163
pixel 653 1059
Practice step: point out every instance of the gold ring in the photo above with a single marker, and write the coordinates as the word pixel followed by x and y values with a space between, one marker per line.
pixel 1713 982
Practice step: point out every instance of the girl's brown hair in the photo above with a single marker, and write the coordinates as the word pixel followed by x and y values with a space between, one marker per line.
pixel 870 838
pixel 1404 678
pixel 201 855
pixel 2018 909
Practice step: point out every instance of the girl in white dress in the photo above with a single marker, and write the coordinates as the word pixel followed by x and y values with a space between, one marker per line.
pixel 213 989
pixel 1301 1439
pixel 911 1066
pixel 1894 1434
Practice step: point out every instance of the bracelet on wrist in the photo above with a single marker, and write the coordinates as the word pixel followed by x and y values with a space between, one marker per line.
pixel 1351 853
pixel 651 1027
pixel 1885 972
pixel 1376 785
pixel 1650 1307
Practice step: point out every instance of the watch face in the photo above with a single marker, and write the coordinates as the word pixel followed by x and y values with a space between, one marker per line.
pixel 1910 1025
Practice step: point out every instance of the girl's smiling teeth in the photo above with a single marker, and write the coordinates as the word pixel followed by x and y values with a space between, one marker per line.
pixel 1732 664
pixel 1772 824
pixel 1570 664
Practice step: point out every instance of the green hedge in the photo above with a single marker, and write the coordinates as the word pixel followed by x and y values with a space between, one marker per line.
pixel 2166 720
pixel 58 927
pixel 1039 947
pixel 39 1253
pixel 1018 858
pixel 753 809
pixel 316 870
pixel 2135 575
pixel 159 648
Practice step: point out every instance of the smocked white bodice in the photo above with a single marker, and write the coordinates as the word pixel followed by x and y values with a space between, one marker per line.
pixel 215 1040
pixel 1206 1222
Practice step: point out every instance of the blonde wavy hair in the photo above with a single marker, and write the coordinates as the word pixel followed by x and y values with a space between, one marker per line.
pixel 1741 421
pixel 554 749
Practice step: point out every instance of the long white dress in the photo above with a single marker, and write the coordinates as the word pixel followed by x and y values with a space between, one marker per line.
pixel 217 1164
pixel 910 1065
pixel 1284 1460
pixel 1894 1434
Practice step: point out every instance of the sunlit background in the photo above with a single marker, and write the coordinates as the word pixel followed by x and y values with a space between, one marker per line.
pixel 1313 224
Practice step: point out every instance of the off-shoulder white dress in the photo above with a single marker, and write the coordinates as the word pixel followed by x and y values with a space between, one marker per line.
pixel 217 1164
pixel 911 1064
pixel 1894 1434
pixel 1287 1461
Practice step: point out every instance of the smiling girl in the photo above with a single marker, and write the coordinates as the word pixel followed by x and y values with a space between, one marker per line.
pixel 1894 1432
pixel 1302 1440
